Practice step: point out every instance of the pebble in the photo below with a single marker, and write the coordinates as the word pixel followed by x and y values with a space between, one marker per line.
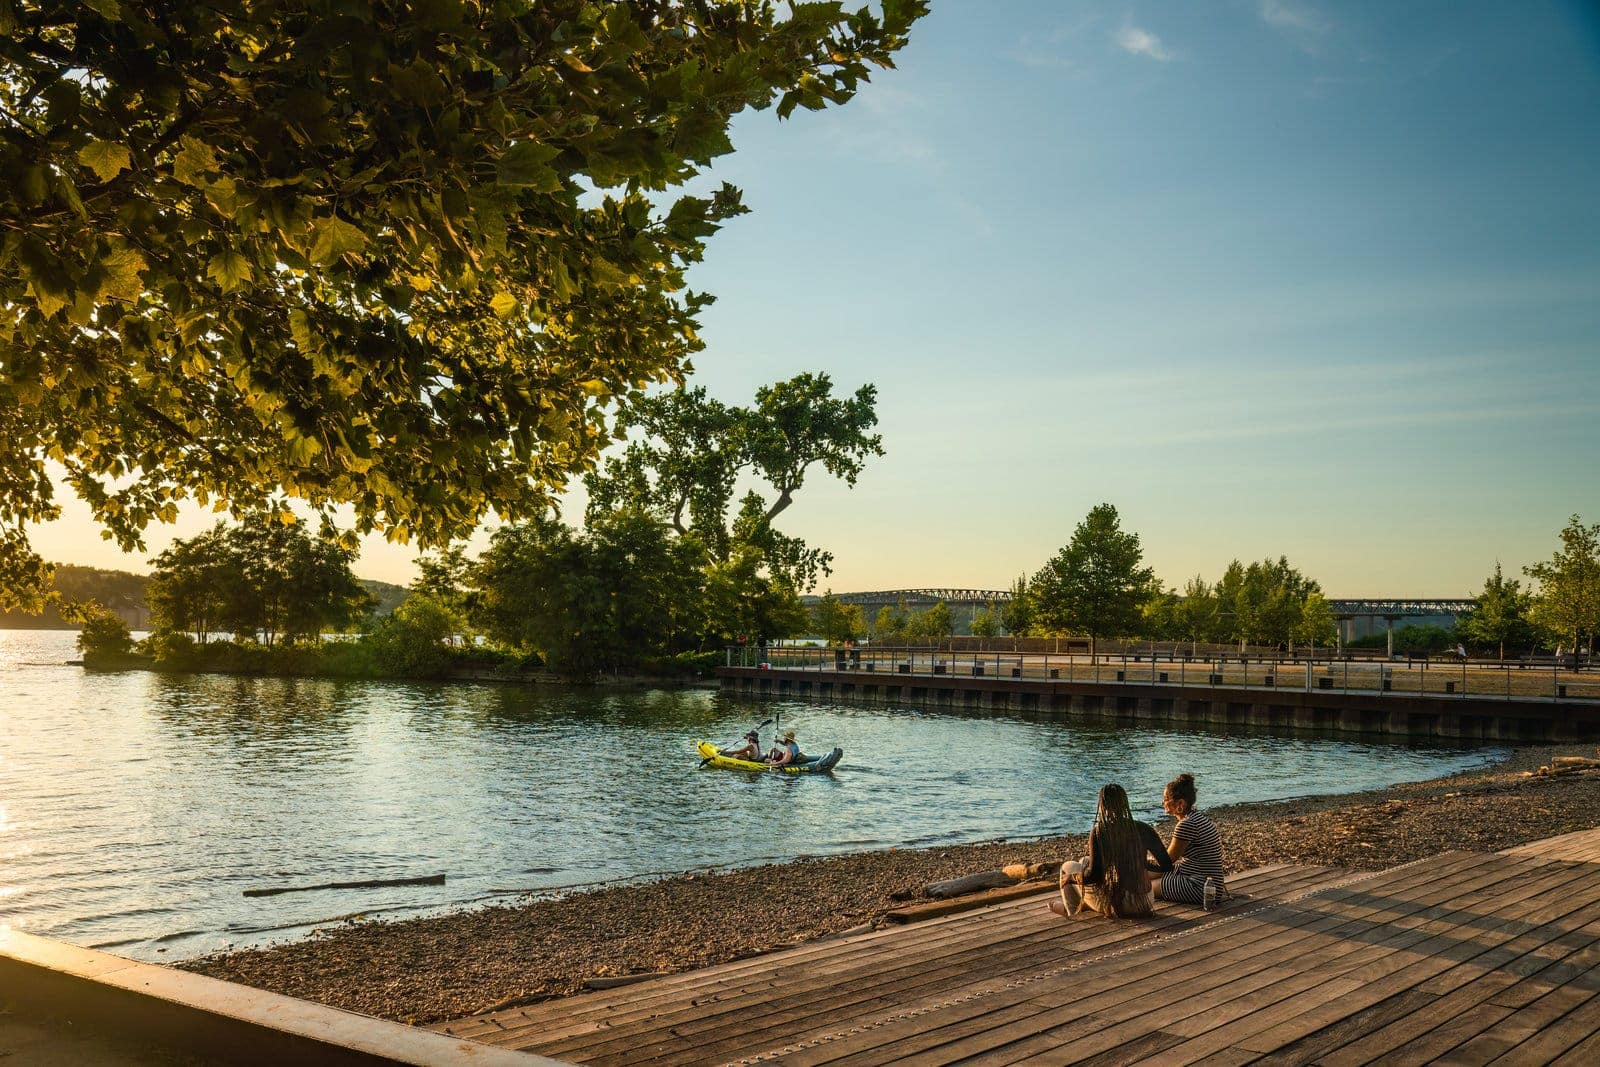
pixel 449 966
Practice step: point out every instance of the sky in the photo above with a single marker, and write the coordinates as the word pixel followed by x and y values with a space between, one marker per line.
pixel 1273 277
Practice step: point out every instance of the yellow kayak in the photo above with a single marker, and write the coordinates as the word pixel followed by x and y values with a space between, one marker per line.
pixel 810 765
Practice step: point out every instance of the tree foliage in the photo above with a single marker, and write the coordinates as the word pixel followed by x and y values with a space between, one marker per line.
pixel 1097 584
pixel 399 256
pixel 692 450
pixel 259 578
pixel 1017 615
pixel 1500 615
pixel 1568 601
pixel 102 631
pixel 598 600
pixel 837 623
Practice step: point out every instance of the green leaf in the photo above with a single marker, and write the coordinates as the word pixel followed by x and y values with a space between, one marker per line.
pixel 106 158
pixel 527 163
pixel 194 159
pixel 230 269
pixel 333 237
pixel 122 280
pixel 503 303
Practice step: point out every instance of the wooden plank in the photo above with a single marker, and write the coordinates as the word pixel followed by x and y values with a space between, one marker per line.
pixel 1082 1015
pixel 912 975
pixel 867 946
pixel 1364 978
pixel 1398 1011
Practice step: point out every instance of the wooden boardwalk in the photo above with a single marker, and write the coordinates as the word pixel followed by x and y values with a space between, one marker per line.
pixel 1465 958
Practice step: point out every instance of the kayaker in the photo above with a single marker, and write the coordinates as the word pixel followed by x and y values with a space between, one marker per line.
pixel 751 750
pixel 785 751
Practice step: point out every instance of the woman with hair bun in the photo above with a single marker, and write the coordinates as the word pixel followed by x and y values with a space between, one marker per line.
pixel 1196 850
pixel 1115 878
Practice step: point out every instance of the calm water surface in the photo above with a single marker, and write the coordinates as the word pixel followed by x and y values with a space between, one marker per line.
pixel 135 808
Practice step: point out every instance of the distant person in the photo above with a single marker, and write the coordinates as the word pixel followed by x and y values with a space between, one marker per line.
pixel 785 752
pixel 1114 879
pixel 1461 651
pixel 750 750
pixel 1196 850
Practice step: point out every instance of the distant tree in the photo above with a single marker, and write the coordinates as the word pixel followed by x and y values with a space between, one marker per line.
pixel 261 577
pixel 604 600
pixel 890 623
pixel 191 584
pixel 1568 601
pixel 102 631
pixel 1316 622
pixel 1017 615
pixel 1197 615
pixel 411 641
pixel 692 450
pixel 404 257
pixel 1500 614
pixel 1159 615
pixel 837 623
pixel 931 624
pixel 291 585
pixel 1097 584
pixel 1262 603
pixel 985 621
pixel 743 597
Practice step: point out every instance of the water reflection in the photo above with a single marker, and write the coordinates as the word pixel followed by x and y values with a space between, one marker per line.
pixel 136 808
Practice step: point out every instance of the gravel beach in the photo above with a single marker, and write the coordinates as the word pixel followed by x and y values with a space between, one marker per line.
pixel 424 970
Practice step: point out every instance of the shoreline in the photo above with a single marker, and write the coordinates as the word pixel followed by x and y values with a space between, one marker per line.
pixel 423 970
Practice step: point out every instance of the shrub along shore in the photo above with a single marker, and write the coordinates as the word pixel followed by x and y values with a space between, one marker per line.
pixel 428 969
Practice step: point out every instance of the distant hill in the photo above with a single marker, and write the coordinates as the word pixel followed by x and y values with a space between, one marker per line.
pixel 389 595
pixel 123 593
pixel 120 591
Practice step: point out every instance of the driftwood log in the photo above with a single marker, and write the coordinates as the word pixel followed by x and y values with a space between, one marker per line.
pixel 1009 875
pixel 377 883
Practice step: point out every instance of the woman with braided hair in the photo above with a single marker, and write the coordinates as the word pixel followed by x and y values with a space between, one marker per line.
pixel 1115 878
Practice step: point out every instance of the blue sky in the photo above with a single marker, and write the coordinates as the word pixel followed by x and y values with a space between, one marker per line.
pixel 1272 277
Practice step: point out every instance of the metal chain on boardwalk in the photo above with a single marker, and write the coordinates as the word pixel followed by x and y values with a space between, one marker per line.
pixel 1054 972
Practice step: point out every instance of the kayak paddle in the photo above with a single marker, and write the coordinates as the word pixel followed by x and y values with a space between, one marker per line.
pixel 758 730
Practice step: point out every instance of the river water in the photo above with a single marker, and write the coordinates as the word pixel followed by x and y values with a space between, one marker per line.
pixel 135 808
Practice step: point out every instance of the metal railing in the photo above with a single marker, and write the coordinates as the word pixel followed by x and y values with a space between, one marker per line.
pixel 1478 679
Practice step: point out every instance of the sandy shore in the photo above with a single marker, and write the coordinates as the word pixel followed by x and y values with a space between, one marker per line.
pixel 422 970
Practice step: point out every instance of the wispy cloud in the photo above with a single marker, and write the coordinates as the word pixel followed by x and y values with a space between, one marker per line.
pixel 1138 42
pixel 1301 22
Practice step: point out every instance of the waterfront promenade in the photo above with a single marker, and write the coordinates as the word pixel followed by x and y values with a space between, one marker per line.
pixel 1467 958
pixel 1387 698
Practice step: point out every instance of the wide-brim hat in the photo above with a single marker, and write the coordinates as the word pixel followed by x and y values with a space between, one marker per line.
pixel 789 736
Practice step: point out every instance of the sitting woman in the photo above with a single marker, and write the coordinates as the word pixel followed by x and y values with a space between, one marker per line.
pixel 1114 878
pixel 750 750
pixel 1196 850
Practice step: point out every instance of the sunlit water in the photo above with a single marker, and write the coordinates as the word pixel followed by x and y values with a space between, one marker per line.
pixel 135 808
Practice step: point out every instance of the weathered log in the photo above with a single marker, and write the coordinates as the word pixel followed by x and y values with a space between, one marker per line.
pixel 375 883
pixel 613 981
pixel 955 887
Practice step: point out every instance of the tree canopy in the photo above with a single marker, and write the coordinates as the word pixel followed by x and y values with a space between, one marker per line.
pixel 405 257
pixel 1500 614
pixel 693 449
pixel 1097 584
pixel 1568 604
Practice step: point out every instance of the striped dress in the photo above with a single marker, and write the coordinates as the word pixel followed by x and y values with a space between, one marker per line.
pixel 1202 859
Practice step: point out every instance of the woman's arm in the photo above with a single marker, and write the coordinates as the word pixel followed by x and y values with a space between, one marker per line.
pixel 1179 845
pixel 1152 844
pixel 1096 871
